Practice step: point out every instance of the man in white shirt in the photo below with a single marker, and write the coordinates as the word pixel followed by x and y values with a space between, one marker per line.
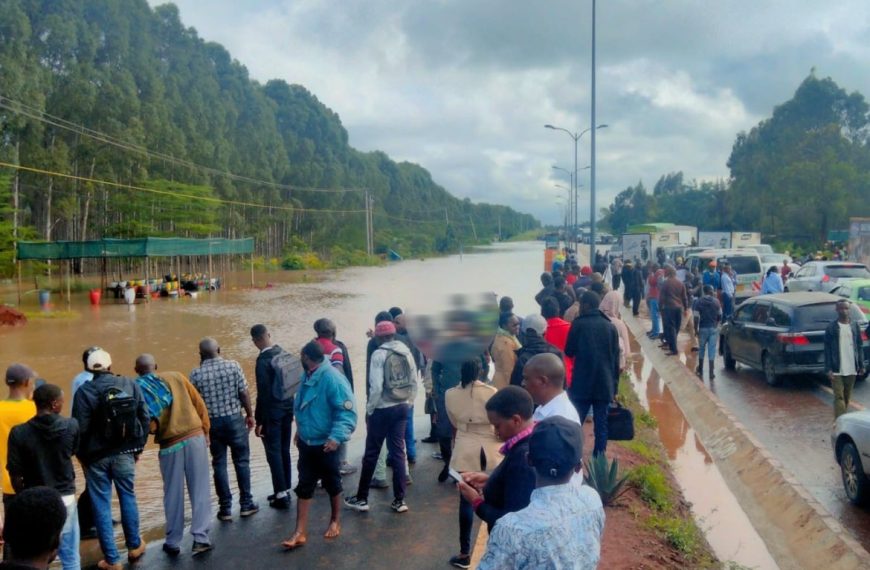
pixel 844 356
pixel 544 379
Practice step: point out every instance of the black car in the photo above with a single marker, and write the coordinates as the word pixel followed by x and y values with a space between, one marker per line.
pixel 784 334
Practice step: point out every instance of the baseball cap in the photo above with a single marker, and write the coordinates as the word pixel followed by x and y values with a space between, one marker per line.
pixel 535 322
pixel 99 360
pixel 556 447
pixel 385 328
pixel 19 373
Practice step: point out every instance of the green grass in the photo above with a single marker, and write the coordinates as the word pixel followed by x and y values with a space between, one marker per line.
pixel 642 449
pixel 652 483
pixel 680 533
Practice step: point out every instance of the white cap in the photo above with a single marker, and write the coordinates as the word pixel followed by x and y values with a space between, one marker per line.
pixel 536 323
pixel 99 360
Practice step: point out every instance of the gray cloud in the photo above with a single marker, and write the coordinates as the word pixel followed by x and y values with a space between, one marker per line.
pixel 465 87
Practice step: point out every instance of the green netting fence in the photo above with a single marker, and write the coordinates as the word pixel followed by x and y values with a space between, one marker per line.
pixel 141 247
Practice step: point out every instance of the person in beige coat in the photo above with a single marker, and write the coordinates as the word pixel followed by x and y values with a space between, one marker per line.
pixel 475 447
pixel 503 349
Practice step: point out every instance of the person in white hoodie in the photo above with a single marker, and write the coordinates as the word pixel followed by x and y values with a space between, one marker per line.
pixel 392 390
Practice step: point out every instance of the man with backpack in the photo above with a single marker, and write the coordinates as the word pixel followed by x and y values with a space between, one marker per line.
pixel 274 412
pixel 113 424
pixel 392 389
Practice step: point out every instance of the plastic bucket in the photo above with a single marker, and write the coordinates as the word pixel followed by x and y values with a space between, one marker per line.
pixel 95 296
pixel 44 298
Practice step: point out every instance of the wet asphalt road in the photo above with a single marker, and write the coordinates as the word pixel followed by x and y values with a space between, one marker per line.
pixel 793 421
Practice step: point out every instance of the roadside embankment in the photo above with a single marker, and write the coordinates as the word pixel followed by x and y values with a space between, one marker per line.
pixel 796 529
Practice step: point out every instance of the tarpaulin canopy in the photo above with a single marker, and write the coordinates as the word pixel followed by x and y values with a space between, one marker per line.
pixel 140 247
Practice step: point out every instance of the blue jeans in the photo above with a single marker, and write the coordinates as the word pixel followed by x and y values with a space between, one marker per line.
pixel 277 440
pixel 120 470
pixel 231 432
pixel 654 316
pixel 599 416
pixel 410 444
pixel 710 339
pixel 727 306
pixel 68 553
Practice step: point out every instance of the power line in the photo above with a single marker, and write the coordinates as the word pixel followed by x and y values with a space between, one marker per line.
pixel 168 193
pixel 42 116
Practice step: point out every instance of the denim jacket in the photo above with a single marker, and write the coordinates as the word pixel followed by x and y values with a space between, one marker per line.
pixel 324 406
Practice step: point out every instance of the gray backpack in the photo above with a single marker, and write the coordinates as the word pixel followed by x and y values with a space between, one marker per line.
pixel 399 378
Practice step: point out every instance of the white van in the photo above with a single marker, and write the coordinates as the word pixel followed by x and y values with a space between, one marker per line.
pixel 745 262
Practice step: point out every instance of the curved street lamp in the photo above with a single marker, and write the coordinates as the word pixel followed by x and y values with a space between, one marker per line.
pixel 576 137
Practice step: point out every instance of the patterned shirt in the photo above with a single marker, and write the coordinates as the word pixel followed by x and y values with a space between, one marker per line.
pixel 219 382
pixel 561 529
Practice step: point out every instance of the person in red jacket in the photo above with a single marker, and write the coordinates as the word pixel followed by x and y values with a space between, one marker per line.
pixel 557 332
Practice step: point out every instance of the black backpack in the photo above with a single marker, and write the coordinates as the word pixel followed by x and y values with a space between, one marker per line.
pixel 120 418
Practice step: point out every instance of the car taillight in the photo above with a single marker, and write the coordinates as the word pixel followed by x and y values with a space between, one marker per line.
pixel 795 339
pixel 826 278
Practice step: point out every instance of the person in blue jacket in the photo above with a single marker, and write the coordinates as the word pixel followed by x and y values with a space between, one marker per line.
pixel 326 417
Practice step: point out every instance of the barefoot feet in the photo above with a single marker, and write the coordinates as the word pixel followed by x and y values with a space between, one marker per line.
pixel 333 530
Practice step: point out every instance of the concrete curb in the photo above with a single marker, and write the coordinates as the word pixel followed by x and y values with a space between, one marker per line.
pixel 797 530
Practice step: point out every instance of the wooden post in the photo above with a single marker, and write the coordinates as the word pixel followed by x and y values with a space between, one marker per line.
pixel 147 283
pixel 252 270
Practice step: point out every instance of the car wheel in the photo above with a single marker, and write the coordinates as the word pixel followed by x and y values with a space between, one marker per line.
pixel 770 371
pixel 730 363
pixel 854 480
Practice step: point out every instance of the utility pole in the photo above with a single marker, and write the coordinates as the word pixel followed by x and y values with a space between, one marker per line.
pixel 592 153
pixel 473 231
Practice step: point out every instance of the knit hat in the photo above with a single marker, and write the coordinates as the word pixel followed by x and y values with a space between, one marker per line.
pixel 556 447
pixel 385 328
pixel 535 322
pixel 98 361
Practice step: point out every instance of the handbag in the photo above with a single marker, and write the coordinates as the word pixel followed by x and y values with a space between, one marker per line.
pixel 620 423
pixel 429 406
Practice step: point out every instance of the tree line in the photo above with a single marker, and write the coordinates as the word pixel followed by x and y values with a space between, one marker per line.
pixel 796 175
pixel 159 132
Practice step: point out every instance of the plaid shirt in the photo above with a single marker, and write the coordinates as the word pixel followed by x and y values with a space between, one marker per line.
pixel 219 383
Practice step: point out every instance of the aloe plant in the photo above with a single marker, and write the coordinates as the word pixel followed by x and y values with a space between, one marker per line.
pixel 603 476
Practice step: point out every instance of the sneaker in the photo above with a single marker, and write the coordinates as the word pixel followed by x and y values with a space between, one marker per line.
pixel 225 515
pixel 437 455
pixel 103 565
pixel 282 504
pixel 461 561
pixel 201 548
pixel 429 439
pixel 134 554
pixel 347 469
pixel 249 510
pixel 379 484
pixel 399 506
pixel 171 550
pixel 357 504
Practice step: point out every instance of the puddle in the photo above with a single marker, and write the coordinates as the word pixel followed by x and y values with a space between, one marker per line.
pixel 726 526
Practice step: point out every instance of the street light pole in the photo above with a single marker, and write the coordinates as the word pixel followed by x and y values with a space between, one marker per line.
pixel 592 153
pixel 576 137
pixel 571 200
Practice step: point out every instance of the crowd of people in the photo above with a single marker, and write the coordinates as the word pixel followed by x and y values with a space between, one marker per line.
pixel 508 424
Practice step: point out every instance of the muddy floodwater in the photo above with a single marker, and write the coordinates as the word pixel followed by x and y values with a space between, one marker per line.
pixel 171 329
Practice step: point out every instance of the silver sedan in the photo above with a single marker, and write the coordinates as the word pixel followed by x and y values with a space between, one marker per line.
pixel 851 442
pixel 825 275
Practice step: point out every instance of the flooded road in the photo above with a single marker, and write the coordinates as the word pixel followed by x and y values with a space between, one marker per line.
pixel 793 421
pixel 171 329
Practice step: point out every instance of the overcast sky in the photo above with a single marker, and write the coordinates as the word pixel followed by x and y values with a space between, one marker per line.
pixel 464 87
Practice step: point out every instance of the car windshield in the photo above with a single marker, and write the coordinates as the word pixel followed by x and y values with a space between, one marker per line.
pixel 817 317
pixel 744 265
pixel 772 258
pixel 864 293
pixel 848 271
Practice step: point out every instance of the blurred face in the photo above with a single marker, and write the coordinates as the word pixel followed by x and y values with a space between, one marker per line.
pixel 843 310
pixel 505 428
pixel 534 383
pixel 513 325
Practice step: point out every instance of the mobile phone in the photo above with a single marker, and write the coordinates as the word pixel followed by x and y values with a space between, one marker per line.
pixel 454 474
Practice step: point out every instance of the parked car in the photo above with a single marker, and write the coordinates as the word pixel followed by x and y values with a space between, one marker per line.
pixel 850 439
pixel 857 291
pixel 825 275
pixel 759 247
pixel 784 334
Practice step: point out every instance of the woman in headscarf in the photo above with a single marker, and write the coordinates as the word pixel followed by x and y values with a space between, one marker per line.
pixel 503 349
pixel 610 307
